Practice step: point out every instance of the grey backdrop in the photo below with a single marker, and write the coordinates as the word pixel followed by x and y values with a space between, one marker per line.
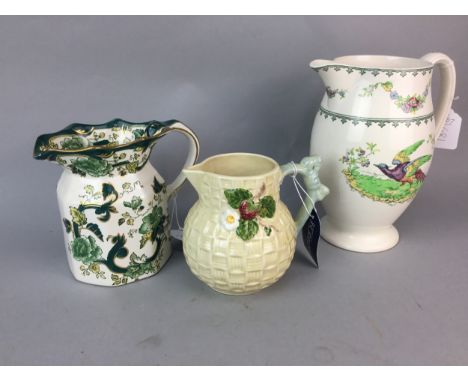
pixel 243 84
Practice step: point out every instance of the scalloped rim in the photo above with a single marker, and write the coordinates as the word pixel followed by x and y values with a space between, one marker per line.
pixel 74 130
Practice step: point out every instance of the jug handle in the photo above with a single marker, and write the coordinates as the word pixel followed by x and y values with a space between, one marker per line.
pixel 448 78
pixel 192 156
pixel 308 168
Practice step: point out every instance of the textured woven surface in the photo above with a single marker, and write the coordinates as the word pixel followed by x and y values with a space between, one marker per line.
pixel 219 257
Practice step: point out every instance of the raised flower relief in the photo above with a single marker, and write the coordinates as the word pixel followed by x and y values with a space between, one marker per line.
pixel 248 212
pixel 230 219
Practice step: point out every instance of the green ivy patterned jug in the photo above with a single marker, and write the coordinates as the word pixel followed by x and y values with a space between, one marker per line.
pixel 112 201
pixel 375 131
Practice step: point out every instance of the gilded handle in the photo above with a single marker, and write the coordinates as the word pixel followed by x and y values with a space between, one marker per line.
pixel 448 79
pixel 309 169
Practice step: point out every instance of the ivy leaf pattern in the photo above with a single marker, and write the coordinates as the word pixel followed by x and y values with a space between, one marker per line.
pixel 138 133
pixel 158 187
pixel 78 217
pixel 94 228
pixel 107 190
pixel 134 204
pixel 67 225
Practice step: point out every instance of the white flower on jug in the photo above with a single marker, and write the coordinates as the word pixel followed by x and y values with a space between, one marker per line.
pixel 230 219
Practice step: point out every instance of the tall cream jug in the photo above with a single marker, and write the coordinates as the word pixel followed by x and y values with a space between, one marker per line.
pixel 375 132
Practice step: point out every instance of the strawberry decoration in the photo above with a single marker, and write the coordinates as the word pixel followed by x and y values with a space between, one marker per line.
pixel 252 211
pixel 245 211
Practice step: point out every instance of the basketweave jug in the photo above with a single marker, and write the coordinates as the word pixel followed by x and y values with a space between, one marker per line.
pixel 239 237
pixel 375 132
pixel 112 201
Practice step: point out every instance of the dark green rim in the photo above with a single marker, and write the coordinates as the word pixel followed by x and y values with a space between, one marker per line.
pixel 153 131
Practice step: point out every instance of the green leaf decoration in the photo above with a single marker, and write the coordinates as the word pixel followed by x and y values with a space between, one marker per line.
pixel 77 216
pixel 158 187
pixel 134 204
pixel 267 207
pixel 235 196
pixel 67 225
pixel 105 210
pixel 75 170
pixel 132 167
pixel 72 143
pixel 102 142
pixel 93 166
pixel 138 133
pixel 121 221
pixel 94 228
pixel 151 221
pixel 115 279
pixel 247 229
pixel 107 190
pixel 144 239
pixel 267 230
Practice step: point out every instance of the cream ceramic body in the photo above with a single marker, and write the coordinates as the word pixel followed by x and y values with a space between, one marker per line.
pixel 112 201
pixel 377 111
pixel 227 258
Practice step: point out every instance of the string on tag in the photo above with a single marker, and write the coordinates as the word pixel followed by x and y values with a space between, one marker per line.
pixel 179 232
pixel 174 210
pixel 311 227
pixel 300 188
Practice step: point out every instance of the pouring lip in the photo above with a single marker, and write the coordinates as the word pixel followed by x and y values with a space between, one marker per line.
pixel 43 149
pixel 198 167
pixel 357 62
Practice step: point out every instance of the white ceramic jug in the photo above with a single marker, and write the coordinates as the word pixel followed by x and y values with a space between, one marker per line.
pixel 375 132
pixel 112 201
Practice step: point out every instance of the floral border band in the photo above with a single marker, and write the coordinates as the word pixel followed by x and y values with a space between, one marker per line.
pixel 381 122
pixel 375 71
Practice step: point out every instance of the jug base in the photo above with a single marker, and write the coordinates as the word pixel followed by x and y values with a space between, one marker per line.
pixel 366 240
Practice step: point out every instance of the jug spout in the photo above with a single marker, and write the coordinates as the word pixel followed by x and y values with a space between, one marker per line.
pixel 329 77
pixel 318 64
pixel 194 175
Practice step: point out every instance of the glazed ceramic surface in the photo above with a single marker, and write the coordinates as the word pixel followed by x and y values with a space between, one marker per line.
pixel 375 132
pixel 112 201
pixel 239 237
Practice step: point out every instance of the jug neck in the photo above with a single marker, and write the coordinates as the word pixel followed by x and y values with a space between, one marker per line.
pixel 115 148
pixel 375 87
pixel 367 67
pixel 237 173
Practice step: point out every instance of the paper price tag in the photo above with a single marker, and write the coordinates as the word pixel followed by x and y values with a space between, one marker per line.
pixel 448 138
